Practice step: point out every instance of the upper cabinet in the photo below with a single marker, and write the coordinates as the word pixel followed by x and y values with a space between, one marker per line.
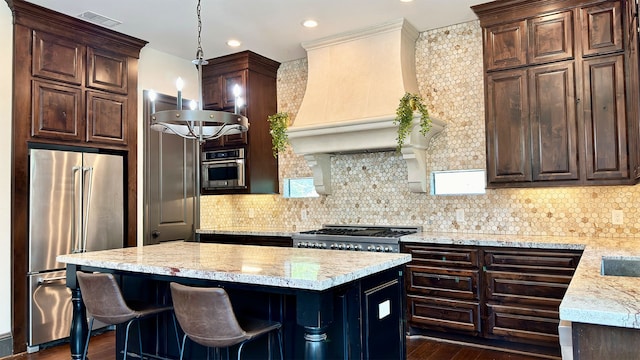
pixel 256 75
pixel 561 92
pixel 79 92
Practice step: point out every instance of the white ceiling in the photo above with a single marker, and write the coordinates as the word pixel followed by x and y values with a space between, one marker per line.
pixel 268 27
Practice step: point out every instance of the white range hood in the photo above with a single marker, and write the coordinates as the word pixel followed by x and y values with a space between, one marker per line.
pixel 355 81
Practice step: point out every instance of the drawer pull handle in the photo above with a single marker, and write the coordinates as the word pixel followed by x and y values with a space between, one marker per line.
pixel 457 279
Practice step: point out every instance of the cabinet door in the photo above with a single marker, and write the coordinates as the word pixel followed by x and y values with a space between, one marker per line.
pixel 443 314
pixel 228 82
pixel 57 58
pixel 553 122
pixel 601 27
pixel 106 118
pixel 507 127
pixel 107 71
pixel 505 45
pixel 443 282
pixel 605 118
pixel 57 112
pixel 517 288
pixel 551 38
pixel 212 93
pixel 525 325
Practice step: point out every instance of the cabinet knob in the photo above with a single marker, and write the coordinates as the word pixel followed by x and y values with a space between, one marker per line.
pixel 155 234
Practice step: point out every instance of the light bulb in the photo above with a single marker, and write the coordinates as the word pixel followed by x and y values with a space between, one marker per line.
pixel 236 90
pixel 152 95
pixel 239 102
pixel 193 104
pixel 179 84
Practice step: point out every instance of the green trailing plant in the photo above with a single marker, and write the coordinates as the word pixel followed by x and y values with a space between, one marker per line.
pixel 410 103
pixel 278 124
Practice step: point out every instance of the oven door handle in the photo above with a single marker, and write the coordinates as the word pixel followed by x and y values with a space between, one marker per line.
pixel 220 162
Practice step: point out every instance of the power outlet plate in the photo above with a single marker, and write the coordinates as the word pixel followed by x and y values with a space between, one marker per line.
pixel 252 213
pixel 459 215
pixel 617 217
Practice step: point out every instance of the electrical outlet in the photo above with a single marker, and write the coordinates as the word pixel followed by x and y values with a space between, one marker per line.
pixel 303 214
pixel 617 217
pixel 460 215
pixel 252 213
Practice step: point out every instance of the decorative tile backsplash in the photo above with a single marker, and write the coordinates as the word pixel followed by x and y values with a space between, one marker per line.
pixel 372 188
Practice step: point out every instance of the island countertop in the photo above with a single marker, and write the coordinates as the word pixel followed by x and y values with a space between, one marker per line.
pixel 307 269
pixel 591 297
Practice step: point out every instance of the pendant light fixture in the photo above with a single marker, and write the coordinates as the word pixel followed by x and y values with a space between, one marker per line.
pixel 196 123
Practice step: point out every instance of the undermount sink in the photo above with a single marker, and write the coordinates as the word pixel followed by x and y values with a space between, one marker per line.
pixel 621 267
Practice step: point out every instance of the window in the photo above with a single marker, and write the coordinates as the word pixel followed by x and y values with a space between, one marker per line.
pixel 299 188
pixel 459 182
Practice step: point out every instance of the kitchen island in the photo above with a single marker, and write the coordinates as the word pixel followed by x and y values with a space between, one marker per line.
pixel 337 304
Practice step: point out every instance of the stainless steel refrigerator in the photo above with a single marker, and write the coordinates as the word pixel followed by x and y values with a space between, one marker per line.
pixel 76 204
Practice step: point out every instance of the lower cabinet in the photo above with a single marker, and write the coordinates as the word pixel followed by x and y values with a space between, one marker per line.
pixel 503 297
pixel 263 240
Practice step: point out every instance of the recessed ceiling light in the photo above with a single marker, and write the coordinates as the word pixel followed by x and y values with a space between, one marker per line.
pixel 234 43
pixel 310 23
pixel 406 0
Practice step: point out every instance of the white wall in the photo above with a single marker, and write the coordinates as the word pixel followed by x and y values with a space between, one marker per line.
pixel 158 71
pixel 6 66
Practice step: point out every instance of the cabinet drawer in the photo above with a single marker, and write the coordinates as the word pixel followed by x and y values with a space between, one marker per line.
pixel 442 256
pixel 451 283
pixel 510 287
pixel 522 324
pixel 440 314
pixel 539 262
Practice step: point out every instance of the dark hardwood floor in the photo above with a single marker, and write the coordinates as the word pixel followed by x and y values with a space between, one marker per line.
pixel 418 348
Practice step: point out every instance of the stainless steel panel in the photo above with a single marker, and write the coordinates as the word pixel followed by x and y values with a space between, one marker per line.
pixel 49 307
pixel 103 202
pixel 50 206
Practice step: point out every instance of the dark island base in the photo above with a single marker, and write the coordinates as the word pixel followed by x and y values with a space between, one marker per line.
pixel 359 320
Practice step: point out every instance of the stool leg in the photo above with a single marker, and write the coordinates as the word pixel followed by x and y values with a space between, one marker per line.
pixel 86 343
pixel 126 339
pixel 184 339
pixel 140 338
pixel 280 343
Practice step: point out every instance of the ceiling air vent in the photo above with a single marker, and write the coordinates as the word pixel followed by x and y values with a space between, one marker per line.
pixel 99 19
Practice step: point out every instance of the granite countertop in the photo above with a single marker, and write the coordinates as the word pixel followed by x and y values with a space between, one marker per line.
pixel 308 269
pixel 591 297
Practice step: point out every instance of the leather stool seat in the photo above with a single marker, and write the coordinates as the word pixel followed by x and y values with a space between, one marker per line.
pixel 104 301
pixel 207 318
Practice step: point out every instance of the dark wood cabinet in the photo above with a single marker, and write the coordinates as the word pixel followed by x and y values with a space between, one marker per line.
pixel 597 342
pixel 503 297
pixel 74 85
pixel 84 105
pixel 443 288
pixel 256 76
pixel 262 240
pixel 561 93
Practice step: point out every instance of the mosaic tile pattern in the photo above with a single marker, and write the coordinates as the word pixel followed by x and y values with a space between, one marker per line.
pixel 372 189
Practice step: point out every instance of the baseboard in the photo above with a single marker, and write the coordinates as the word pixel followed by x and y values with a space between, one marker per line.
pixel 6 344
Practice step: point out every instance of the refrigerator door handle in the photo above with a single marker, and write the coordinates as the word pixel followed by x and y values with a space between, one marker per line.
pixel 76 203
pixel 87 187
pixel 51 280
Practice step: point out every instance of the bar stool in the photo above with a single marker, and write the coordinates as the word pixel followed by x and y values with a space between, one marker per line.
pixel 104 302
pixel 207 318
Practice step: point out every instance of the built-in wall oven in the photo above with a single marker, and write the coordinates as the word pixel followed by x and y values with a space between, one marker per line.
pixel 223 169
